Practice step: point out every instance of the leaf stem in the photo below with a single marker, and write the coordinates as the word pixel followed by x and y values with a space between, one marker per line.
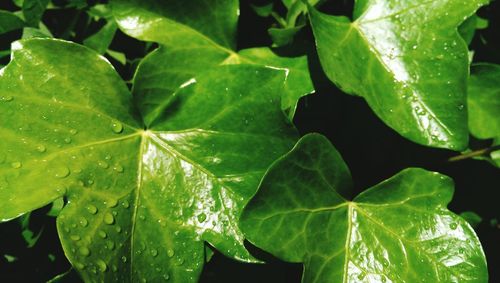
pixel 475 153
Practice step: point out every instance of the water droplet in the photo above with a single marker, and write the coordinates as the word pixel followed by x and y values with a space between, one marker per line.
pixel 170 253
pixel 361 276
pixel 80 265
pixel 84 251
pixel 61 172
pixel 110 245
pixel 102 265
pixel 83 222
pixel 103 164
pixel 102 234
pixel 118 229
pixel 7 98
pixel 118 168
pixel 111 203
pixel 202 217
pixel 67 140
pixel 16 165
pixel 41 148
pixel 109 218
pixel 73 131
pixel 166 276
pixel 125 204
pixel 453 226
pixel 114 268
pixel 461 107
pixel 75 237
pixel 154 252
pixel 92 209
pixel 117 127
pixel 124 259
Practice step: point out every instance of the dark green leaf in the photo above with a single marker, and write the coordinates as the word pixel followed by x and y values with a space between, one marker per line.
pixel 263 11
pixel 484 101
pixel 407 60
pixel 397 231
pixel 33 11
pixel 29 33
pixel 140 201
pixel 283 36
pixel 9 22
pixel 101 40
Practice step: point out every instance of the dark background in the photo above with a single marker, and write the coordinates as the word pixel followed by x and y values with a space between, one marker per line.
pixel 372 151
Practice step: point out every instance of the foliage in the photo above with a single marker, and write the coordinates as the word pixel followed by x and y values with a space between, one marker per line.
pixel 154 137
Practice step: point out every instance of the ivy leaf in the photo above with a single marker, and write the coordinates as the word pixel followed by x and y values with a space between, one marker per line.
pixel 9 22
pixel 484 101
pixel 101 40
pixel 397 231
pixel 33 11
pixel 192 44
pixel 407 60
pixel 141 201
pixel 484 105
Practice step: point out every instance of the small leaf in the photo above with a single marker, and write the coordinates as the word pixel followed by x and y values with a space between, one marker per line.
pixel 484 101
pixel 283 36
pixel 33 11
pixel 141 201
pixel 264 10
pixel 101 40
pixel 407 60
pixel 9 22
pixel 192 44
pixel 397 231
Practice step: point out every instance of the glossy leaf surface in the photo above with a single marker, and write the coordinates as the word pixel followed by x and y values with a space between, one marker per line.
pixel 397 231
pixel 407 60
pixel 192 44
pixel 141 201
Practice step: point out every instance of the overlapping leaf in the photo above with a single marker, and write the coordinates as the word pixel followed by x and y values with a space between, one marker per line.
pixel 141 201
pixel 484 104
pixel 407 60
pixel 397 231
pixel 194 37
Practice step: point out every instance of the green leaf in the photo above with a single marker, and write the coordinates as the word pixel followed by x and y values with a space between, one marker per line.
pixel 408 62
pixel 187 51
pixel 9 22
pixel 283 36
pixel 101 40
pixel 484 101
pixel 264 10
pixel 397 231
pixel 472 218
pixel 141 201
pixel 33 11
pixel 118 56
pixel 29 33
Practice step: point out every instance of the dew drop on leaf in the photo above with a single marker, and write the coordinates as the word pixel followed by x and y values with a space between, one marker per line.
pixel 16 165
pixel 118 168
pixel 79 265
pixel 73 131
pixel 170 253
pixel 126 204
pixel 453 226
pixel 154 252
pixel 103 164
pixel 7 98
pixel 117 127
pixel 61 172
pixel 102 265
pixel 83 222
pixel 41 148
pixel 109 218
pixel 75 237
pixel 111 203
pixel 124 259
pixel 92 209
pixel 110 245
pixel 102 234
pixel 84 251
